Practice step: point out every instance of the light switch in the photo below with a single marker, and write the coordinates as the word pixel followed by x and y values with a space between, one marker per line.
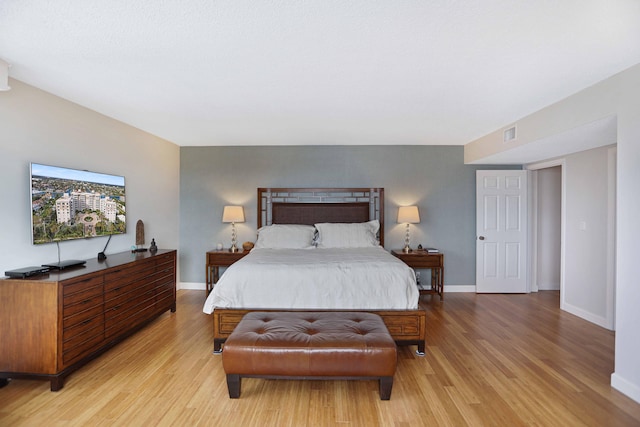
pixel 583 225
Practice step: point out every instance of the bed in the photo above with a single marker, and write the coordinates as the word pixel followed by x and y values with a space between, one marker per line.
pixel 320 249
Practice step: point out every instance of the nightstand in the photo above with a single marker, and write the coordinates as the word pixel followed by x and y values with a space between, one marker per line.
pixel 418 259
pixel 217 259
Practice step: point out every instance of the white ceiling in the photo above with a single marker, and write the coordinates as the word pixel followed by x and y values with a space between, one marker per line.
pixel 303 72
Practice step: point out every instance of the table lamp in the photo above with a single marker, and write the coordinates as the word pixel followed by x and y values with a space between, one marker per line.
pixel 233 214
pixel 408 215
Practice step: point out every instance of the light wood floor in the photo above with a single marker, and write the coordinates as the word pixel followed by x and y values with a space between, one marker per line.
pixel 498 360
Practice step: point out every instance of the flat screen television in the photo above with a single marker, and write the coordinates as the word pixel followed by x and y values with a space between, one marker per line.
pixel 71 204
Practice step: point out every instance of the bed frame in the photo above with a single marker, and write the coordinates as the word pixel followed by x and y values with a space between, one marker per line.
pixel 316 205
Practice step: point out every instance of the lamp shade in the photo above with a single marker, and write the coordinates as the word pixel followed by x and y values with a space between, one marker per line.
pixel 233 214
pixel 408 215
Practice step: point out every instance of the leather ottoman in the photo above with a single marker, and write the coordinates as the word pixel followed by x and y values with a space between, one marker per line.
pixel 310 345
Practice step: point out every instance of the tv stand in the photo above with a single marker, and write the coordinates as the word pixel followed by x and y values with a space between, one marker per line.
pixel 56 323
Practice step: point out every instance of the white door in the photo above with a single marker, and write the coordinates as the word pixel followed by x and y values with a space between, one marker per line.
pixel 501 231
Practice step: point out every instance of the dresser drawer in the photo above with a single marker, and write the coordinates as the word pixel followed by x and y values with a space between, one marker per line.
pixel 165 275
pixel 165 301
pixel 85 304
pixel 82 349
pixel 83 295
pixel 131 292
pixel 425 262
pixel 161 283
pixel 164 288
pixel 81 316
pixel 164 295
pixel 124 304
pixel 81 327
pixel 163 260
pixel 74 286
pixel 83 332
pixel 126 275
pixel 126 319
pixel 82 301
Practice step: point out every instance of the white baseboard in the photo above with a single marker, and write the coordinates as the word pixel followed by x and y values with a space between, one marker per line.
pixel 460 288
pixel 598 320
pixel 625 387
pixel 192 286
pixel 548 286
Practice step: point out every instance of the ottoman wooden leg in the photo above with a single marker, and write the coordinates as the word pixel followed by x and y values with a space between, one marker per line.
pixel 233 384
pixel 386 383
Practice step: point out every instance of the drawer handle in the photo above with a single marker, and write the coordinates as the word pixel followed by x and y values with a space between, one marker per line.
pixel 117 307
pixel 86 322
pixel 87 301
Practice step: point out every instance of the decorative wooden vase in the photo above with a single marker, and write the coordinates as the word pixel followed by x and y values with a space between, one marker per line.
pixel 139 237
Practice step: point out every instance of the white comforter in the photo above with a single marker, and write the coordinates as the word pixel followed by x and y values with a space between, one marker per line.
pixel 361 278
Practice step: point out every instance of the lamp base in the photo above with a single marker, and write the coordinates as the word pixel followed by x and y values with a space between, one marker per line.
pixel 233 248
pixel 406 248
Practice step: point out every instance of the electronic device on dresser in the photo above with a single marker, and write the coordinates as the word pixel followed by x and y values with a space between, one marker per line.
pixel 21 273
pixel 68 263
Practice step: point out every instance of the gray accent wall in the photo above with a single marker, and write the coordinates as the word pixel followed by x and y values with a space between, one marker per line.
pixel 432 177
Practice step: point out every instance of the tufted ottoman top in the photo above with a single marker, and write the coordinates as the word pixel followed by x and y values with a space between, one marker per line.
pixel 310 344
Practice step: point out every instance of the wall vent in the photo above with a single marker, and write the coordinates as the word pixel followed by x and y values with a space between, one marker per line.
pixel 509 134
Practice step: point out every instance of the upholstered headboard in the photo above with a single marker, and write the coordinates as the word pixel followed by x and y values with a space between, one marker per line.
pixel 316 205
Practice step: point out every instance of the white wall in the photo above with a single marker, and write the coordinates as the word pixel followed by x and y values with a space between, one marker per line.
pixel 36 126
pixel 586 235
pixel 620 96
pixel 626 377
pixel 549 200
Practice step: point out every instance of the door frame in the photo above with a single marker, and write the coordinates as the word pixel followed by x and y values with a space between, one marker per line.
pixel 533 222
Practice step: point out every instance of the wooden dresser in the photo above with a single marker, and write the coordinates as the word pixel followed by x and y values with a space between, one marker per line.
pixel 54 323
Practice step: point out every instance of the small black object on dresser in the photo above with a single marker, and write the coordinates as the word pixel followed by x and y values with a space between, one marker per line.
pixel 21 273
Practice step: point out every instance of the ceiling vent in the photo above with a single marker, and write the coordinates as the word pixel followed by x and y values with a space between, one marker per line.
pixel 509 134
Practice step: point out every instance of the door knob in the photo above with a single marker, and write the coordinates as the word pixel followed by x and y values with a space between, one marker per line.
pixel 481 238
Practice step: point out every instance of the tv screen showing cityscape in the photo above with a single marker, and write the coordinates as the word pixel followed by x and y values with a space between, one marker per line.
pixel 71 204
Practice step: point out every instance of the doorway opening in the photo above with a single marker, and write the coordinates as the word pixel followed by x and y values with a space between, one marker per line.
pixel 548 229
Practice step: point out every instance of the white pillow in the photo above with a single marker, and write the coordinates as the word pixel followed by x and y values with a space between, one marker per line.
pixel 285 236
pixel 351 235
